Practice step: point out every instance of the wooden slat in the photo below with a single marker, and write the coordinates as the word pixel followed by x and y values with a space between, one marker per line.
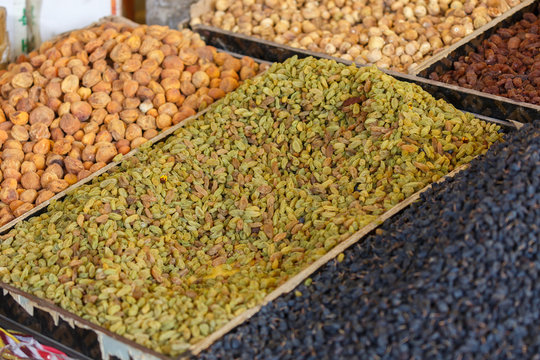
pixel 4 39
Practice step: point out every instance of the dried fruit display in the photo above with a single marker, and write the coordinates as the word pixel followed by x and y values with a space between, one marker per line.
pixel 192 231
pixel 397 34
pixel 506 64
pixel 75 104
pixel 453 276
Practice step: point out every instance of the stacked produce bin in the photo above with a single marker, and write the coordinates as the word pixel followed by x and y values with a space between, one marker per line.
pixel 158 192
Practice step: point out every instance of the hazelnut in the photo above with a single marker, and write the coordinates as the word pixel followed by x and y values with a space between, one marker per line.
pixel 99 100
pixel 57 185
pixel 105 152
pixel 61 147
pixel 135 143
pixel 30 180
pixel 89 153
pixel 71 178
pixel 81 110
pixel 22 80
pixel 187 88
pixel 150 133
pixel 28 166
pixel 163 121
pixel 23 208
pixel 228 84
pixel 117 128
pixel 56 168
pixel 70 84
pixel 133 131
pixel 43 196
pixel 69 124
pixel 146 122
pixel 28 196
pixel 41 114
pixel 130 88
pixel 8 195
pixel 19 117
pixel 19 132
pixel 120 53
pixel 73 166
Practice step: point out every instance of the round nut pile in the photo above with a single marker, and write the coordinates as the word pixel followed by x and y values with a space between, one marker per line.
pixel 396 34
pixel 506 64
pixel 179 239
pixel 71 107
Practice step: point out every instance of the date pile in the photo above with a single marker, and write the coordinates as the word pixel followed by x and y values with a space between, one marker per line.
pixel 191 232
pixel 71 107
pixel 506 64
pixel 455 275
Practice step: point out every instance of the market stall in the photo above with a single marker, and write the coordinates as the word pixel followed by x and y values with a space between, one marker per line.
pixel 248 188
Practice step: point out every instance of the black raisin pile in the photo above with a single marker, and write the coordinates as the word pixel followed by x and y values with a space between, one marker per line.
pixel 454 276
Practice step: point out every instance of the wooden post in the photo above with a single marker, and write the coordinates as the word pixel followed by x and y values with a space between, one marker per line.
pixel 4 39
